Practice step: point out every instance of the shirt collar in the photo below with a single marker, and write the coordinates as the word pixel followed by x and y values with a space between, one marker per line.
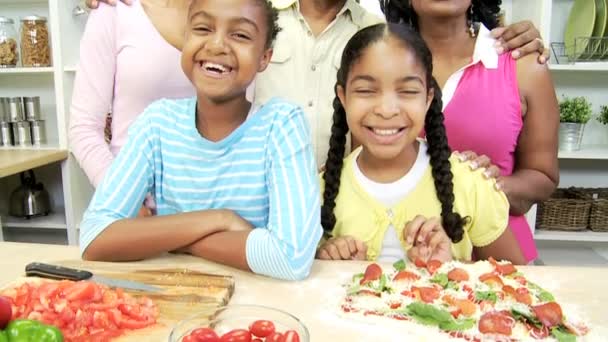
pixel 355 10
pixel 485 52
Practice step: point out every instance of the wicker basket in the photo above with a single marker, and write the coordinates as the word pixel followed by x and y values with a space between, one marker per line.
pixel 567 209
pixel 598 215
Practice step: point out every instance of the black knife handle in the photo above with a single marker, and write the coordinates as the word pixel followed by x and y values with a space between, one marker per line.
pixel 38 269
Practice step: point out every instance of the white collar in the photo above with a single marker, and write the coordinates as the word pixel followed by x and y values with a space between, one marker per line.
pixel 485 52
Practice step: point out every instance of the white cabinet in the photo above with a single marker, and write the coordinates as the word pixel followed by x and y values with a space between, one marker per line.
pixel 587 167
pixel 68 188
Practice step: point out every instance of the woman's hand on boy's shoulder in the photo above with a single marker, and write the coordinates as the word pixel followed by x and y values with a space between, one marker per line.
pixel 93 4
pixel 523 38
pixel 343 248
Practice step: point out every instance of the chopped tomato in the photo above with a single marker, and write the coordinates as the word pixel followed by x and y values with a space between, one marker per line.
pixel 504 268
pixel 426 294
pixel 521 280
pixel 496 323
pixel 491 279
pixel 406 276
pixel 522 295
pixel 549 314
pixel 458 274
pixel 372 272
pixel 465 306
pixel 433 265
pixel 82 310
pixel 407 293
pixel 419 263
pixel 395 305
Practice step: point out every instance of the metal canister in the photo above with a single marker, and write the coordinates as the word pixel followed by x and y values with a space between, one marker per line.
pixel 23 136
pixel 6 132
pixel 38 132
pixel 3 109
pixel 31 106
pixel 15 109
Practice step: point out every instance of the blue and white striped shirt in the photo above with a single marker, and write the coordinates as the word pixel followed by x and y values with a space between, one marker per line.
pixel 264 171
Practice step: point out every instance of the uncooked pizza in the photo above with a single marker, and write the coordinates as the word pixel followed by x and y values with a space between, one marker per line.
pixel 483 301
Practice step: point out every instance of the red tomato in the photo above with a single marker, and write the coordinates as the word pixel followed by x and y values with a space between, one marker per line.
pixel 419 263
pixel 262 328
pixel 372 272
pixel 80 290
pixel 496 323
pixel 290 336
pixel 426 294
pixel 491 279
pixel 6 311
pixel 205 335
pixel 458 274
pixel 257 340
pixel 433 265
pixel 274 337
pixel 406 276
pixel 549 314
pixel 236 335
pixel 189 338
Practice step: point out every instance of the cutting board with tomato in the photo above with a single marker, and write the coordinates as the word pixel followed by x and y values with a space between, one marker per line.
pixel 184 293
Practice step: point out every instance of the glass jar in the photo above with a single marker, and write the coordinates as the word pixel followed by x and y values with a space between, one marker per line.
pixel 35 42
pixel 8 43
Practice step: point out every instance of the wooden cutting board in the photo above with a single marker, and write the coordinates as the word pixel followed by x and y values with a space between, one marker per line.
pixel 185 293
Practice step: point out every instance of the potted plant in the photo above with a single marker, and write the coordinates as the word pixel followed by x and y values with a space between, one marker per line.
pixel 574 113
pixel 603 116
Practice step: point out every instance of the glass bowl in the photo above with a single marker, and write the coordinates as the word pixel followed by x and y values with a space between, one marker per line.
pixel 231 317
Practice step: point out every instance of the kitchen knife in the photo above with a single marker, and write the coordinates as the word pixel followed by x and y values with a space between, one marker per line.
pixel 38 269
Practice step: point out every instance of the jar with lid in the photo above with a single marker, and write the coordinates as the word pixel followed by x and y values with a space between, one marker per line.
pixel 35 42
pixel 8 43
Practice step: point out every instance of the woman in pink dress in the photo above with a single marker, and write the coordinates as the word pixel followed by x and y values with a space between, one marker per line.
pixel 128 59
pixel 498 107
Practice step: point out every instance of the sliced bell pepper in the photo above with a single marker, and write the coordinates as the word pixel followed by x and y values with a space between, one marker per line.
pixel 28 330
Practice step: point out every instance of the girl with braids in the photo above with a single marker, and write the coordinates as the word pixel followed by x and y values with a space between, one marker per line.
pixel 499 108
pixel 376 201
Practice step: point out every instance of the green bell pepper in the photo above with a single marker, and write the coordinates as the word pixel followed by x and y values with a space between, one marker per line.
pixel 28 330
pixel 3 337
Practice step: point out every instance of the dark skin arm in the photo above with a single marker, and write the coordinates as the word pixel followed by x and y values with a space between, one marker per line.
pixel 503 248
pixel 523 39
pixel 227 248
pixel 536 172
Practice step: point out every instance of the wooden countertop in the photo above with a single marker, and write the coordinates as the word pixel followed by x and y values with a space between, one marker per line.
pixel 580 290
pixel 13 161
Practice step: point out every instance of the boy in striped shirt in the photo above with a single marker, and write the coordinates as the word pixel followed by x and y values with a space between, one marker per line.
pixel 233 184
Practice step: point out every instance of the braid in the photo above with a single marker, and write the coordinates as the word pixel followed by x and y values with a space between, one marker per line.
pixel 333 166
pixel 440 152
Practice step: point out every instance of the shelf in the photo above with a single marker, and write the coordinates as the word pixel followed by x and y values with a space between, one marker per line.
pixel 589 66
pixel 70 69
pixel 14 161
pixel 11 71
pixel 55 220
pixel 597 152
pixel 582 236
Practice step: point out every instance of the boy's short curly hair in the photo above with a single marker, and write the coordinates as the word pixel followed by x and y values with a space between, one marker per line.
pixel 272 21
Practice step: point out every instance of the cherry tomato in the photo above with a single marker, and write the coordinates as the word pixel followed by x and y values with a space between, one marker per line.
pixel 433 265
pixel 236 335
pixel 6 311
pixel 290 336
pixel 274 337
pixel 205 335
pixel 372 272
pixel 262 328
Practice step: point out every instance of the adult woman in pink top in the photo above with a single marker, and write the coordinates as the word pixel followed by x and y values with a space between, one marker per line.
pixel 127 60
pixel 494 105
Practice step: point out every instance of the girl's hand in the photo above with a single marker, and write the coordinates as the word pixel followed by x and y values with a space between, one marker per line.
pixel 482 161
pixel 427 239
pixel 343 248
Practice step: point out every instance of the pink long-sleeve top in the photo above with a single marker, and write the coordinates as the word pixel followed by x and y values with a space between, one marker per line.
pixel 125 64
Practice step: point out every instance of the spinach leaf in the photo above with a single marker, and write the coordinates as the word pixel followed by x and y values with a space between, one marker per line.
pixel 432 315
pixel 542 294
pixel 561 335
pixel 399 265
pixel 441 279
pixel 486 295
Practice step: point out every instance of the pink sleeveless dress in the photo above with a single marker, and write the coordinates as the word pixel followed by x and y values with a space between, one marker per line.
pixel 484 116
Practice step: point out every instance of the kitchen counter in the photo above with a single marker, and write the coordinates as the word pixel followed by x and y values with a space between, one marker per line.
pixel 13 161
pixel 581 290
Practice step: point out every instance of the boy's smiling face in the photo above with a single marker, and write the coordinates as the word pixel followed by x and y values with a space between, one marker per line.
pixel 225 47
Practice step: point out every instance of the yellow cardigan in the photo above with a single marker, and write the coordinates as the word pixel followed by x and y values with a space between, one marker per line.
pixel 364 218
